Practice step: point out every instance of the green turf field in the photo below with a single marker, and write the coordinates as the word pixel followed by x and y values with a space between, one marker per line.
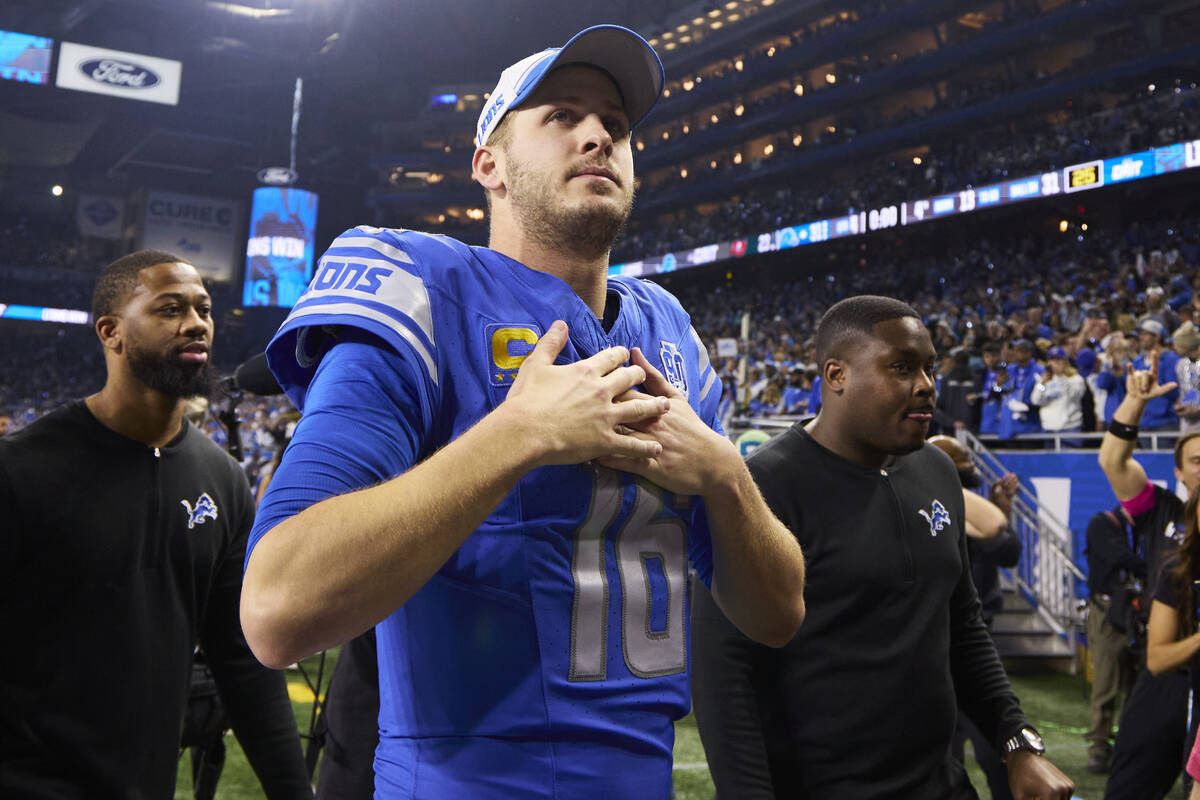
pixel 1057 704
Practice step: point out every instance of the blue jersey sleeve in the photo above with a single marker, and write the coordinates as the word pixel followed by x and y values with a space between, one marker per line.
pixel 363 423
pixel 372 279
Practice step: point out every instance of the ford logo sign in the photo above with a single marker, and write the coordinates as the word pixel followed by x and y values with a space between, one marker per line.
pixel 277 176
pixel 115 72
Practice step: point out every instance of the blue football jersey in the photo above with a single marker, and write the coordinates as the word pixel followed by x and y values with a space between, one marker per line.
pixel 549 657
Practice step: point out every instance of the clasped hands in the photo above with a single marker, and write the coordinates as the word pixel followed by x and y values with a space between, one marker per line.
pixel 593 410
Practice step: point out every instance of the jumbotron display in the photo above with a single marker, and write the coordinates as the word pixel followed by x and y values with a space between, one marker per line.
pixel 1075 178
pixel 279 253
pixel 24 57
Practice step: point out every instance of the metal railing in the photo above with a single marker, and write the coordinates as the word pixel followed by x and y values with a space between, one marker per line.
pixel 1046 573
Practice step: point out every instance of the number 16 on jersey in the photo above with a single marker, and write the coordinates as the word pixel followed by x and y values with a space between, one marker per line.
pixel 651 555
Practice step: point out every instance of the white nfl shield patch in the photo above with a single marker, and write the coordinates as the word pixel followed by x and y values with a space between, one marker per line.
pixel 673 366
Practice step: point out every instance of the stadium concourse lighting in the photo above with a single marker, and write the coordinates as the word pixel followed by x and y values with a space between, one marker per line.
pixel 56 190
pixel 249 11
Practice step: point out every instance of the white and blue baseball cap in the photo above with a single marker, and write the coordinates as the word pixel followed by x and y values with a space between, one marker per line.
pixel 627 58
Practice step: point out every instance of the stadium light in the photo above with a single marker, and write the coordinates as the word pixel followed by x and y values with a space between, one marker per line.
pixel 770 51
pixel 684 39
pixel 1083 227
pixel 683 172
pixel 716 25
pixel 641 145
pixel 738 65
pixel 768 150
pixel 738 110
pixel 666 135
pixel 686 129
pixel 1063 225
pixel 737 158
pixel 712 164
pixel 716 12
pixel 475 213
pixel 681 28
pixel 731 5
pixel 697 20
pixel 56 190
pixel 830 77
pixel 688 83
pixel 798 90
pixel 714 119
pixel 797 140
pixel 917 160
pixel 733 17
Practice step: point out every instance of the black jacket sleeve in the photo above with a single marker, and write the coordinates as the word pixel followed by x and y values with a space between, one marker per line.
pixel 1003 550
pixel 1108 553
pixel 255 697
pixel 728 669
pixel 980 683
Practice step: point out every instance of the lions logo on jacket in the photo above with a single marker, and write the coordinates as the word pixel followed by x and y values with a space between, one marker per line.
pixel 937 517
pixel 205 508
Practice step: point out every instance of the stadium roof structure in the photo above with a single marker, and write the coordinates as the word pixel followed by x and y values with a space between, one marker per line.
pixel 361 61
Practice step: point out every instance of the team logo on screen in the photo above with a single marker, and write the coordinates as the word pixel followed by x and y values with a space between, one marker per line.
pixel 673 366
pixel 204 509
pixel 937 516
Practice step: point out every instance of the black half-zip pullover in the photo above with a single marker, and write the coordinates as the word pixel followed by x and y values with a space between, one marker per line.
pixel 116 559
pixel 862 702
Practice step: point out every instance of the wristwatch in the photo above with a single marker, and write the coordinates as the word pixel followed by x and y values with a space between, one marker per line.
pixel 1026 739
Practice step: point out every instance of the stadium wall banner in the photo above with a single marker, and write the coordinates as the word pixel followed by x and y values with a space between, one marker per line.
pixel 279 251
pixel 1072 487
pixel 117 73
pixel 201 229
pixel 100 216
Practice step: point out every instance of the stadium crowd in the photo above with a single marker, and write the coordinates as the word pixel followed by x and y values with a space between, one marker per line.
pixel 1142 119
pixel 1095 302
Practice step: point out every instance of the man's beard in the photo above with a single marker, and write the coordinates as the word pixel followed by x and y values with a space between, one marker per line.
pixel 171 377
pixel 588 229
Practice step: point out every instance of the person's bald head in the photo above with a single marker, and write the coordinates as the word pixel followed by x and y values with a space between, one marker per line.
pixel 961 457
pixel 953 448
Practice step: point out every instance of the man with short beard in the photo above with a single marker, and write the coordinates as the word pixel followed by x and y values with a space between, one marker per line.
pixel 477 474
pixel 121 551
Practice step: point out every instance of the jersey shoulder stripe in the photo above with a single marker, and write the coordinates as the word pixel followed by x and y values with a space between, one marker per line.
pixel 375 279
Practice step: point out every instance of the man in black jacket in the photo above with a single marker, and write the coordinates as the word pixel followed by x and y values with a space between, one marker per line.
pixel 862 702
pixel 122 547
pixel 1116 574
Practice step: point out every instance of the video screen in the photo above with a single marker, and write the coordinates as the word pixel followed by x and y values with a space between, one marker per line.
pixel 279 253
pixel 24 57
